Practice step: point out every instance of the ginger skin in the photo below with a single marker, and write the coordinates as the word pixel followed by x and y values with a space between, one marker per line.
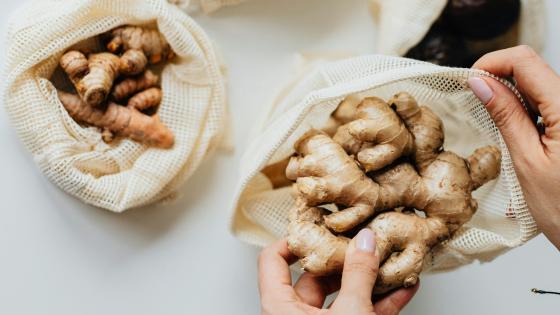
pixel 119 120
pixel 130 86
pixel 93 77
pixel 324 170
pixel 377 136
pixel 150 41
pixel 440 185
pixel 320 251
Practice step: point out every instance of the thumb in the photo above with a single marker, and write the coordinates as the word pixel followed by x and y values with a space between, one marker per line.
pixel 360 269
pixel 509 115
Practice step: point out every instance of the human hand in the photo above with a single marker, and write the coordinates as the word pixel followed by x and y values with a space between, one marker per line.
pixel 536 156
pixel 307 296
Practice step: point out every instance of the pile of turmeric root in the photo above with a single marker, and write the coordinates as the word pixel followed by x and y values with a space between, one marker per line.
pixel 114 89
pixel 384 168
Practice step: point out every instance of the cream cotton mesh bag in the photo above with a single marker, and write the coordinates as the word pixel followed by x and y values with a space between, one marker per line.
pixel 502 221
pixel 207 6
pixel 125 174
pixel 401 24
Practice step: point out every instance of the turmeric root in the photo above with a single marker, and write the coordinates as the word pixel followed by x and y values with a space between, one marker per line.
pixel 133 62
pixel 377 136
pixel 119 120
pixel 440 185
pixel 146 99
pixel 150 41
pixel 130 86
pixel 93 77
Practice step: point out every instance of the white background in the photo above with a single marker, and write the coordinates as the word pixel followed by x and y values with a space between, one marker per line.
pixel 58 256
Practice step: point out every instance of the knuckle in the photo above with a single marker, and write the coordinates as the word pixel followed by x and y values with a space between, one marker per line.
pixel 366 268
pixel 526 51
pixel 501 114
pixel 485 57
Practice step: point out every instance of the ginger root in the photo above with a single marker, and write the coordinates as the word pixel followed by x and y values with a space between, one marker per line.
pixel 377 136
pixel 119 120
pixel 93 77
pixel 437 182
pixel 150 41
pixel 324 173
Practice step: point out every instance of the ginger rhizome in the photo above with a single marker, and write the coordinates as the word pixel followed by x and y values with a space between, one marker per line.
pixel 104 80
pixel 119 120
pixel 377 136
pixel 331 171
pixel 150 41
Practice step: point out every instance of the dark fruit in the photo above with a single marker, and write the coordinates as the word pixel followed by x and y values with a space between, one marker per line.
pixel 442 48
pixel 481 19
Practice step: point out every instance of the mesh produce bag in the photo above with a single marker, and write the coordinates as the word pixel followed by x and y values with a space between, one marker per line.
pixel 207 6
pixel 401 24
pixel 125 174
pixel 502 220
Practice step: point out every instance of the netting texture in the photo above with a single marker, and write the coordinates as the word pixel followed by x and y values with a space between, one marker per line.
pixel 125 174
pixel 207 6
pixel 259 214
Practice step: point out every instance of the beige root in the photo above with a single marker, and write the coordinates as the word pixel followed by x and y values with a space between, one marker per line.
pixel 377 136
pixel 321 251
pixel 150 41
pixel 440 185
pixel 93 77
pixel 324 173
pixel 119 120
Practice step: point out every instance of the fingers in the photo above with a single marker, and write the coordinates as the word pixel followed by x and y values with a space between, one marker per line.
pixel 313 290
pixel 393 303
pixel 508 113
pixel 360 269
pixel 533 75
pixel 273 265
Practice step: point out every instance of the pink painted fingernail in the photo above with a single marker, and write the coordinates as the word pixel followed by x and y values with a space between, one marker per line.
pixel 365 241
pixel 481 89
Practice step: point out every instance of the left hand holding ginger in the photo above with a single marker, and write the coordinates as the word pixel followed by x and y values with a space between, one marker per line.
pixel 308 294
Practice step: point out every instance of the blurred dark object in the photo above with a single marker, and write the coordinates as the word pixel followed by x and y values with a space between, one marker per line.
pixel 481 19
pixel 466 30
pixel 442 48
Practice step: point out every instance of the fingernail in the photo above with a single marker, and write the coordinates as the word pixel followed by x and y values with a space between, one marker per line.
pixel 365 241
pixel 481 89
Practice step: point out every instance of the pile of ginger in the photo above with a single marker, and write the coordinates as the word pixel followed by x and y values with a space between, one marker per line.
pixel 384 168
pixel 114 89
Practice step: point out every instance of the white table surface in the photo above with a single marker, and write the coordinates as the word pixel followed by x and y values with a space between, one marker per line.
pixel 59 256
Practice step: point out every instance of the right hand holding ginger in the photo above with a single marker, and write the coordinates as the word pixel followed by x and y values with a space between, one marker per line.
pixel 536 156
